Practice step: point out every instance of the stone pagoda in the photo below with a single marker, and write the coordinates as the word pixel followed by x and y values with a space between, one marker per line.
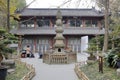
pixel 58 55
pixel 59 39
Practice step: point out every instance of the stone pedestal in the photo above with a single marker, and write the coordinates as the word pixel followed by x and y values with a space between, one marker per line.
pixel 59 58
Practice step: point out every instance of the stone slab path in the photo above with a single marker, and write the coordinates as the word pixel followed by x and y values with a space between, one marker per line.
pixel 52 72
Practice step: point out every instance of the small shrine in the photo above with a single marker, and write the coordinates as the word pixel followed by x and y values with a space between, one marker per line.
pixel 58 55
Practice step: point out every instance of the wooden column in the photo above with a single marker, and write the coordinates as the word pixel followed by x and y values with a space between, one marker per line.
pixel 66 43
pixel 35 22
pixel 91 23
pixel 99 24
pixel 67 23
pixel 51 24
pixel 51 43
pixel 20 43
pixel 83 23
pixel 35 48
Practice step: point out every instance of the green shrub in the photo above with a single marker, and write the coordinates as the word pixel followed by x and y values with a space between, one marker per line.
pixel 20 71
pixel 112 57
pixel 92 72
pixel 5 40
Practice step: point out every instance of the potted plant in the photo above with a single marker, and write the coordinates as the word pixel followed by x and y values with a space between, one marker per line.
pixel 3 70
pixel 5 39
pixel 91 50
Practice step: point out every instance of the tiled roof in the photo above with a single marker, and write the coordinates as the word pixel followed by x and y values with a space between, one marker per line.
pixel 65 12
pixel 51 31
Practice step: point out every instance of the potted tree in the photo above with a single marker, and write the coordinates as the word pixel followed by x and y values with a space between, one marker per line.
pixel 91 50
pixel 5 39
pixel 3 70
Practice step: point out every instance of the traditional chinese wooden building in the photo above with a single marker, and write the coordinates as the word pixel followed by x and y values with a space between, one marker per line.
pixel 37 27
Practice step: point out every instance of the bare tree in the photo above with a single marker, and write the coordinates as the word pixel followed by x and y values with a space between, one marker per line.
pixel 76 3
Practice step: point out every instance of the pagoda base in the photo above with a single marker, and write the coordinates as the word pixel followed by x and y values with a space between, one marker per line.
pixel 59 58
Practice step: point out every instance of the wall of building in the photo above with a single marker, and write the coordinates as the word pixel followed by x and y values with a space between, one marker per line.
pixel 43 43
pixel 67 22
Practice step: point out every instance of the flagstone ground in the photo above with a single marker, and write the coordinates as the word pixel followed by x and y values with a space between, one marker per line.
pixel 54 71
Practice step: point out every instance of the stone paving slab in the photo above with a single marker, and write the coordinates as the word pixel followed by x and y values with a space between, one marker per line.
pixel 53 72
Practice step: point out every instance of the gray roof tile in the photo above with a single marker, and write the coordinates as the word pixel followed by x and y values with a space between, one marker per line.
pixel 51 31
pixel 65 12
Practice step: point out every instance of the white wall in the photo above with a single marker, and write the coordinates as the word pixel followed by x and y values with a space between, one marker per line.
pixel 84 43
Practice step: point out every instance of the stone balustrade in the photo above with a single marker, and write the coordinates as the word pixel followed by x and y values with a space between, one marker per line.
pixel 67 58
pixel 58 59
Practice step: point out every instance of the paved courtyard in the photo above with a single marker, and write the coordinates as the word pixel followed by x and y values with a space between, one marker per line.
pixel 53 72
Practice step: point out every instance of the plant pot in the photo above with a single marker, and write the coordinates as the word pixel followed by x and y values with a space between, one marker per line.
pixel 3 73
pixel 118 64
pixel 90 62
pixel 91 58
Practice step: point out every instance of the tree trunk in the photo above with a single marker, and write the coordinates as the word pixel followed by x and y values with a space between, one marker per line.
pixel 1 57
pixel 106 26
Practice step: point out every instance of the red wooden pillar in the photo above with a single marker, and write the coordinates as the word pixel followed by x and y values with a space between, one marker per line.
pixel 20 43
pixel 66 43
pixel 67 23
pixel 35 22
pixel 91 23
pixel 99 24
pixel 51 24
pixel 35 46
pixel 83 23
pixel 51 43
